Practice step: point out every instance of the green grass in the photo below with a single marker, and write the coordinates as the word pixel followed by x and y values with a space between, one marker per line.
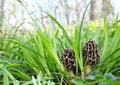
pixel 34 58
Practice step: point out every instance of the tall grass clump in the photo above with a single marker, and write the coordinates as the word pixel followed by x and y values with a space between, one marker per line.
pixel 34 58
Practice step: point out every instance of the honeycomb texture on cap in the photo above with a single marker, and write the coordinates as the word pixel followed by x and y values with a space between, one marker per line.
pixel 68 60
pixel 90 53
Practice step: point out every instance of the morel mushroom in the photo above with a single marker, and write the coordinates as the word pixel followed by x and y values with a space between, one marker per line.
pixel 90 55
pixel 68 60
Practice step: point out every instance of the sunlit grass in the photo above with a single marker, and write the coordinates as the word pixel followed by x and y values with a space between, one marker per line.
pixel 34 58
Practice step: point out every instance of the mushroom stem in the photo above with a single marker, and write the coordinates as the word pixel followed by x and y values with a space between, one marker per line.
pixel 87 70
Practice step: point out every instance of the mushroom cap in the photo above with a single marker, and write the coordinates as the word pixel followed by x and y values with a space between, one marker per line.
pixel 90 53
pixel 68 60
